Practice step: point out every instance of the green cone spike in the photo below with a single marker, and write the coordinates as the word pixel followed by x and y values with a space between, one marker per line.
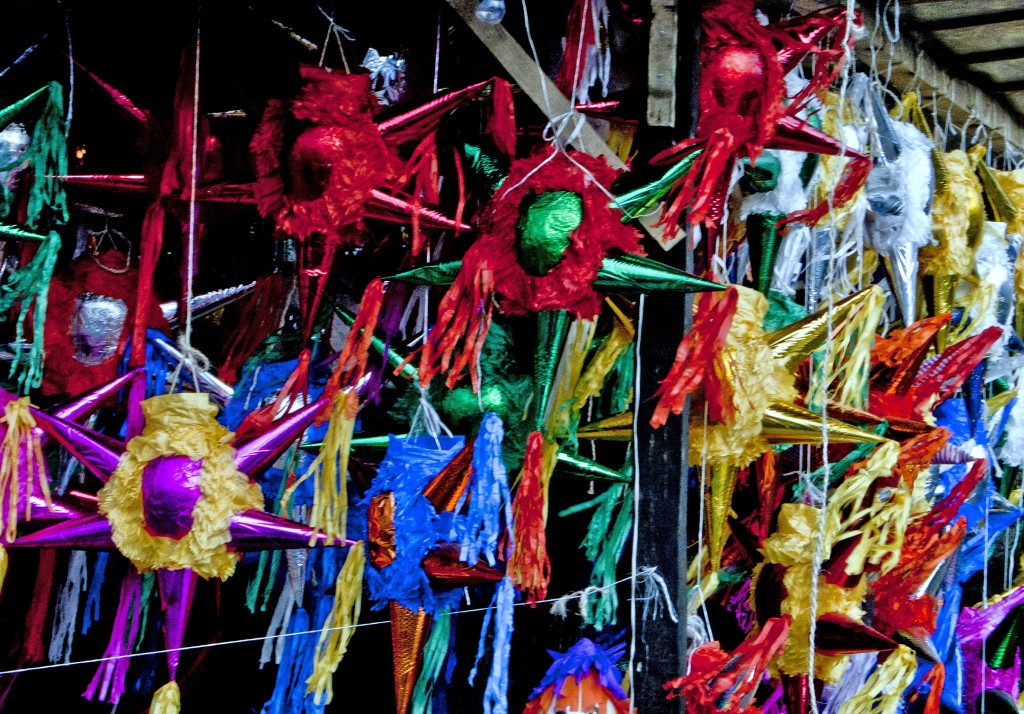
pixel 621 274
pixel 8 113
pixel 552 327
pixel 394 358
pixel 644 200
pixel 580 467
pixel 631 274
pixel 763 240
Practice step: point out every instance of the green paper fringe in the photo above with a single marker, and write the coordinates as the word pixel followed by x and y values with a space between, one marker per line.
pixel 29 285
pixel 434 654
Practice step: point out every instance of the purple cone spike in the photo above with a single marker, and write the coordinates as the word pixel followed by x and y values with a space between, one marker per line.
pixel 256 530
pixel 176 590
pixel 98 453
pixel 88 533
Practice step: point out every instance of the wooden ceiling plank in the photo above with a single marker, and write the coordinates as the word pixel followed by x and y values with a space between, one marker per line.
pixel 969 19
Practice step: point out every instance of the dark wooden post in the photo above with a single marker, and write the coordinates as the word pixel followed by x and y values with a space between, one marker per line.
pixel 662 454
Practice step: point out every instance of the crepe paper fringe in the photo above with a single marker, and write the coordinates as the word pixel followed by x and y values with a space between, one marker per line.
pixel 606 537
pixel 352 361
pixel 65 615
pixel 845 377
pixel 91 612
pixel 289 690
pixel 501 124
pixel 490 501
pixel 274 641
pixel 500 611
pixel 108 683
pixel 696 353
pixel 587 58
pixel 28 286
pixel 434 654
pixel 882 693
pixel 720 681
pixel 330 471
pixel 22 465
pixel 529 567
pixel 32 647
pixel 339 626
pixel 48 157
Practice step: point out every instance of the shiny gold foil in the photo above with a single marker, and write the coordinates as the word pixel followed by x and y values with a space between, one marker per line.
pixel 790 424
pixel 408 636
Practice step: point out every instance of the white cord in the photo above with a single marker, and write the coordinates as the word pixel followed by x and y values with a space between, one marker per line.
pixel 634 553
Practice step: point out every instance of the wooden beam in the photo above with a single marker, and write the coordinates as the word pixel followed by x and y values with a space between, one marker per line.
pixel 525 72
pixel 661 64
pixel 1000 55
pixel 1013 85
pixel 968 19
pixel 909 67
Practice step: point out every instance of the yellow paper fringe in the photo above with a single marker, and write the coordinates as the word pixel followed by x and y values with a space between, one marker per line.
pixel 3 567
pixel 559 413
pixel 976 304
pixel 883 690
pixel 958 217
pixel 887 515
pixel 20 434
pixel 180 425
pixel 850 356
pixel 756 378
pixel 340 624
pixel 792 545
pixel 330 471
pixel 166 700
pixel 614 345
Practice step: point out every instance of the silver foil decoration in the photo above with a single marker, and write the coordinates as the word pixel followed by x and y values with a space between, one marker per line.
pixel 96 326
pixel 206 303
pixel 491 12
pixel 387 73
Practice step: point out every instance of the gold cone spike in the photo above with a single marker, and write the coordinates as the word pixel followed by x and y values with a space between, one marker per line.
pixel 723 483
pixel 618 427
pixel 408 636
pixel 790 424
pixel 794 343
pixel 942 291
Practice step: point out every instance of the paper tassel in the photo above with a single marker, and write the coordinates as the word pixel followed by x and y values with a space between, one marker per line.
pixel 110 675
pixel 340 625
pixel 91 612
pixel 883 692
pixel 166 700
pixel 500 611
pixel 32 646
pixel 606 537
pixel 696 353
pixel 490 502
pixel 29 286
pixel 66 613
pixel 48 157
pixel 274 642
pixel 463 316
pixel 289 672
pixel 846 376
pixel 21 464
pixel 434 654
pixel 352 361
pixel 501 127
pixel 719 681
pixel 330 471
pixel 529 566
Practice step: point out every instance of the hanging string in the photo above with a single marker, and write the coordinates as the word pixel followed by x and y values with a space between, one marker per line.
pixel 437 52
pixel 71 74
pixel 188 354
pixel 700 523
pixel 634 551
pixel 21 58
pixel 819 537
pixel 338 31
pixel 647 575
